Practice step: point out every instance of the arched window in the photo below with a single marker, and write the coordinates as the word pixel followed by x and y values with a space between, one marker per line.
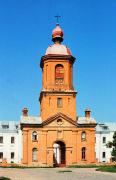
pixel 59 74
pixel 34 154
pixel 83 153
pixel 83 136
pixel 34 136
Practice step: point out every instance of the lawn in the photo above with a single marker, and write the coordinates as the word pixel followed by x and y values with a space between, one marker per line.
pixel 83 166
pixel 63 171
pixel 107 169
pixel 102 168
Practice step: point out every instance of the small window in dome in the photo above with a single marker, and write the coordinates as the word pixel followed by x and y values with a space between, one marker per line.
pixel 59 74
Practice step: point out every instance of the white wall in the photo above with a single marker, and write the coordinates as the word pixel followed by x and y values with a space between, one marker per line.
pixel 101 147
pixel 6 147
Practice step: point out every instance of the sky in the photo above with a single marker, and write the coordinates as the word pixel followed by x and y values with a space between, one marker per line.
pixel 89 31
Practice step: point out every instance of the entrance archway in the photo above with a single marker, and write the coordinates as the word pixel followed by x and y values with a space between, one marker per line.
pixel 59 153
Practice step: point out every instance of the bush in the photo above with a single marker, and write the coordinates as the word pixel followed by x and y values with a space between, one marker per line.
pixel 4 178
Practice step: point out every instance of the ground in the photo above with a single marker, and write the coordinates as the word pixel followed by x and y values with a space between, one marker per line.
pixel 56 174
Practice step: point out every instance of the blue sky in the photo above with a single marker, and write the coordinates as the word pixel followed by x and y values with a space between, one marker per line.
pixel 89 31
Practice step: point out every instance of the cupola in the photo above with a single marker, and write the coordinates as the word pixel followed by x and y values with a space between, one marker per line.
pixel 57 34
pixel 57 48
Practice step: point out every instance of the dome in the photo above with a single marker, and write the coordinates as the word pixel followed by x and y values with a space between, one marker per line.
pixel 58 49
pixel 57 33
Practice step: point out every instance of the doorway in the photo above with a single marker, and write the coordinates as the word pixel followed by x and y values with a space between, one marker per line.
pixel 59 154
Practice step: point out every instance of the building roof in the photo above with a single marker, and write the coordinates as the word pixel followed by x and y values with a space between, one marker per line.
pixel 106 127
pixel 30 120
pixel 86 120
pixel 9 126
pixel 57 33
pixel 59 49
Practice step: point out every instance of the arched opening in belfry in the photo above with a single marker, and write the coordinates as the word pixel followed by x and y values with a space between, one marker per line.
pixel 59 74
pixel 59 154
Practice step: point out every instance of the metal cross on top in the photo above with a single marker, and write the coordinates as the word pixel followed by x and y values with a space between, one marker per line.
pixel 57 18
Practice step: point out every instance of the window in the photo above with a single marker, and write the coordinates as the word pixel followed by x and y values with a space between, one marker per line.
pixel 12 140
pixel 5 126
pixel 103 154
pixel 59 102
pixel 1 155
pixel 16 126
pixel 59 74
pixel 1 139
pixel 34 154
pixel 104 139
pixel 105 127
pixel 59 122
pixel 34 136
pixel 83 153
pixel 83 136
pixel 12 155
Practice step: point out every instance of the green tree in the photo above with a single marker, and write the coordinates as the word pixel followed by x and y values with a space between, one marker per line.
pixel 113 145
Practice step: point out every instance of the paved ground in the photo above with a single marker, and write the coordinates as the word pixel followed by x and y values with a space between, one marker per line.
pixel 54 174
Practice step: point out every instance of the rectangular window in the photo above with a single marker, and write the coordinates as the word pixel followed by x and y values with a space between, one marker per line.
pixel 12 155
pixel 105 127
pixel 1 139
pixel 104 139
pixel 83 153
pixel 59 102
pixel 34 154
pixel 5 126
pixel 12 140
pixel 103 154
pixel 1 155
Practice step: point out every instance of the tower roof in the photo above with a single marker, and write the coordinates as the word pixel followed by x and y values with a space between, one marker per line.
pixel 57 47
pixel 57 33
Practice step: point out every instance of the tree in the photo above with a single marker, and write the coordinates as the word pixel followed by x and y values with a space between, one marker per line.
pixel 113 145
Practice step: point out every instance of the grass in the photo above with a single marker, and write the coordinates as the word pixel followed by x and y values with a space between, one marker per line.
pixel 63 171
pixel 107 169
pixel 25 167
pixel 4 178
pixel 102 168
pixel 83 166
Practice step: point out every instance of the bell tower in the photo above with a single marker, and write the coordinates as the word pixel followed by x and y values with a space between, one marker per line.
pixel 57 94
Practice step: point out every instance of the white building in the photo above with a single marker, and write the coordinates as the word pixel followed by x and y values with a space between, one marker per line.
pixel 104 134
pixel 10 142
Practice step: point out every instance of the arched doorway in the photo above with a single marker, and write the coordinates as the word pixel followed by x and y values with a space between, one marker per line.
pixel 59 153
